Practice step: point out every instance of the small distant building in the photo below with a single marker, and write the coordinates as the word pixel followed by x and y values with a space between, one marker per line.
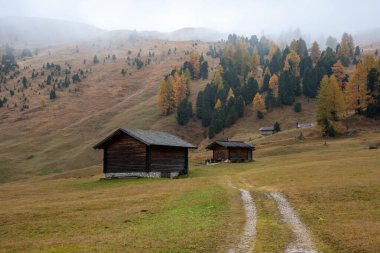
pixel 234 151
pixel 144 153
pixel 267 130
pixel 304 125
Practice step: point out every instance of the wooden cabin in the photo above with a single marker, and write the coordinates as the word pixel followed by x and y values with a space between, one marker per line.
pixel 266 130
pixel 144 153
pixel 234 151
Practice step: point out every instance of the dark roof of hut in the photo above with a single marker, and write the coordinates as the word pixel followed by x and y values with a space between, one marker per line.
pixel 230 144
pixel 148 137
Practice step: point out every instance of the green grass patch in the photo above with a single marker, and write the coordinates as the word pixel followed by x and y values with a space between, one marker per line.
pixel 182 223
pixel 116 182
pixel 5 171
pixel 273 235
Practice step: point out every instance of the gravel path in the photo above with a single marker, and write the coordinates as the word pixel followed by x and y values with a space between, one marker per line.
pixel 250 225
pixel 302 243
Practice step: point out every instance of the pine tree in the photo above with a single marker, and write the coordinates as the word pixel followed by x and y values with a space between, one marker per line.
pixel 209 97
pixel 331 42
pixel 311 81
pixel 52 94
pixel 276 62
pixel 95 60
pixel 299 46
pixel 265 85
pixel 24 82
pixel 184 112
pixel 199 105
pixel 356 90
pixel 315 52
pixel 277 127
pixel 373 83
pixel 204 70
pixel 250 90
pixel 194 60
pixel 288 88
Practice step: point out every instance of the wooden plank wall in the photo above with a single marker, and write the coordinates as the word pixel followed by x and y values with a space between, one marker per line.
pixel 167 158
pixel 125 154
pixel 239 154
pixel 219 152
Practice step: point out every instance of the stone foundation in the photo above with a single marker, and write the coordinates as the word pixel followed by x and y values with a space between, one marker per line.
pixel 141 174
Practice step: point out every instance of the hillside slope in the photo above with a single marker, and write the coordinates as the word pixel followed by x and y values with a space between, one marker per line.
pixel 60 136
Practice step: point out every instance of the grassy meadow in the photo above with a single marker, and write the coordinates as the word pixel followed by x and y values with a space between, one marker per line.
pixel 334 187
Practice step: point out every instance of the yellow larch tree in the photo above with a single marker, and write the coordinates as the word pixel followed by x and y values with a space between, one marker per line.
pixel 273 84
pixel 346 46
pixel 315 52
pixel 230 94
pixel 228 51
pixel 330 100
pixel 272 50
pixel 218 104
pixel 292 62
pixel 258 103
pixel 357 97
pixel 338 71
pixel 322 109
pixel 336 97
pixel 254 62
pixel 165 102
pixel 218 80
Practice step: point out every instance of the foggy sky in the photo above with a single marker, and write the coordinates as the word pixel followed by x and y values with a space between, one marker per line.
pixel 239 16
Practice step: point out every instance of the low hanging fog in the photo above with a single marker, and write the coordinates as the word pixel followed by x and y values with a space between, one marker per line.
pixel 278 19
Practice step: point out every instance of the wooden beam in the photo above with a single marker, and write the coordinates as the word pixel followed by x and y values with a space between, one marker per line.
pixel 105 160
pixel 148 158
pixel 186 161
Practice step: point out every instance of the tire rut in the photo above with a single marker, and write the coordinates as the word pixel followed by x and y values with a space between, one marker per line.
pixel 249 232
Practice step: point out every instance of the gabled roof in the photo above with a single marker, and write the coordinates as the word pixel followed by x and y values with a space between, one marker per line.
pixel 266 128
pixel 230 144
pixel 148 137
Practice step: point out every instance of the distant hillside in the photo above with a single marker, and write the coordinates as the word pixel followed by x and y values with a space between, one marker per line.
pixel 368 37
pixel 30 30
pixel 190 33
pixel 44 31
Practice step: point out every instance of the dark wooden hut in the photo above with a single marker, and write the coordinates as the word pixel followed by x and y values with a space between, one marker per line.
pixel 144 153
pixel 266 130
pixel 234 151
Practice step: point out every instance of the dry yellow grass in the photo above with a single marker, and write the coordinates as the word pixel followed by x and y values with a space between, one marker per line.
pixel 60 136
pixel 334 188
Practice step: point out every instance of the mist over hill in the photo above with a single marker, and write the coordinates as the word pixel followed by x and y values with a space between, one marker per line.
pixel 33 30
pixel 44 31
pixel 30 30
